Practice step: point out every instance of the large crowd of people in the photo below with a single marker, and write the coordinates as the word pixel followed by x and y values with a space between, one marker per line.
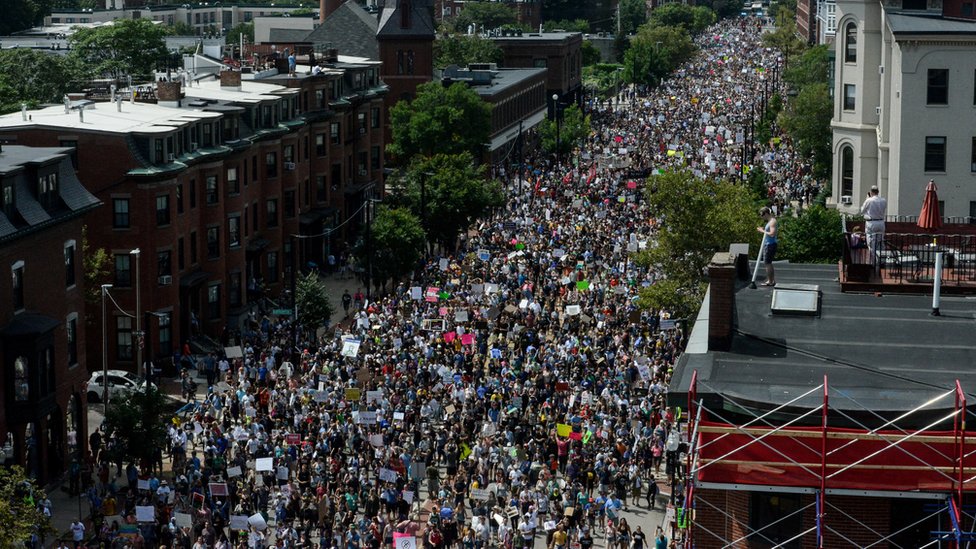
pixel 512 393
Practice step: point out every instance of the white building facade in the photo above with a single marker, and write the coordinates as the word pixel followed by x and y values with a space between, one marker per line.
pixel 905 106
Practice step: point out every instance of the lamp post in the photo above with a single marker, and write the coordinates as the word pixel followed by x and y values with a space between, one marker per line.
pixel 555 112
pixel 138 319
pixel 105 288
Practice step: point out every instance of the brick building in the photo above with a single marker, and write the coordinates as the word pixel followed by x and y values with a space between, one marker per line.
pixel 43 410
pixel 209 182
pixel 559 52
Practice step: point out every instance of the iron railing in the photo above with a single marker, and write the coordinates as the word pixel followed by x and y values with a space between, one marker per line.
pixel 910 258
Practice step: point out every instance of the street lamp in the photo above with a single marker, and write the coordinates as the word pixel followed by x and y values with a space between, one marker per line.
pixel 105 288
pixel 138 319
pixel 555 111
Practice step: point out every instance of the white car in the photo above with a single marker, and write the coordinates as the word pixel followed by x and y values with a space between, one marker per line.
pixel 119 381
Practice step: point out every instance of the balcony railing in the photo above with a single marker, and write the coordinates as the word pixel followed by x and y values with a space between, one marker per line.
pixel 909 259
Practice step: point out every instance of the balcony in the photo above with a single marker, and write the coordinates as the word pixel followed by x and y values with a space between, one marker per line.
pixel 905 260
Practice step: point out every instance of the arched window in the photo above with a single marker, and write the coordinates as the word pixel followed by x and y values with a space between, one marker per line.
pixel 850 43
pixel 847 171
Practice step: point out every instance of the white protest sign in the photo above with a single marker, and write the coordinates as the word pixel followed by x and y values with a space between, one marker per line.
pixel 572 310
pixel 238 522
pixel 373 396
pixel 376 440
pixel 461 316
pixel 282 473
pixel 408 496
pixel 416 293
pixel 366 418
pixel 257 521
pixel 350 348
pixel 387 475
pixel 143 484
pixel 234 471
pixel 479 494
pixel 406 542
pixel 398 416
pixel 183 520
pixel 443 264
pixel 264 464
pixel 145 513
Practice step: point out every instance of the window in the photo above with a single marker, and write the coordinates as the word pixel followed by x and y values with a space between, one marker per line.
pixel 334 133
pixel 400 60
pixel 850 43
pixel 193 193
pixel 71 327
pixel 165 333
pixel 233 185
pixel 120 213
pixel 213 194
pixel 289 204
pixel 47 189
pixel 158 153
pixel 21 380
pixel 8 200
pixel 179 199
pixel 972 156
pixel 288 154
pixel 164 263
pixel 320 144
pixel 69 263
pixel 213 242
pixel 193 247
pixel 410 57
pixel 272 208
pixel 162 210
pixel 123 337
pixel 235 289
pixel 935 153
pixel 207 135
pixel 777 516
pixel 271 164
pixel 17 274
pixel 234 231
pixel 123 272
pixel 361 122
pixel 320 186
pixel 374 162
pixel 272 266
pixel 849 97
pixel 847 171
pixel 181 253
pixel 375 118
pixel 213 302
pixel 938 87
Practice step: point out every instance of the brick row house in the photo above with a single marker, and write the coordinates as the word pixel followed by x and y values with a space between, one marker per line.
pixel 215 183
pixel 42 310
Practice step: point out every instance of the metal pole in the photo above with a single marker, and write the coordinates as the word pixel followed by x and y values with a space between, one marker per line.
pixel 105 288
pixel 755 271
pixel 369 249
pixel 555 113
pixel 937 285
pixel 294 290
pixel 138 319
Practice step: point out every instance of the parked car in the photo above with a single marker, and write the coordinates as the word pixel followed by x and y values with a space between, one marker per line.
pixel 119 382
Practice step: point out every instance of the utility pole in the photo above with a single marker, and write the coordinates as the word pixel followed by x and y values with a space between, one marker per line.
pixel 105 288
pixel 294 290
pixel 136 253
pixel 369 248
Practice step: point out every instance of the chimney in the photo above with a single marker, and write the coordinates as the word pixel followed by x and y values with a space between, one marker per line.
pixel 721 301
pixel 23 111
pixel 81 114
pixel 169 94
pixel 327 7
pixel 230 80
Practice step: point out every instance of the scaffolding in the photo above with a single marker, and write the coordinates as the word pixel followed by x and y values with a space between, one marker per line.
pixel 769 454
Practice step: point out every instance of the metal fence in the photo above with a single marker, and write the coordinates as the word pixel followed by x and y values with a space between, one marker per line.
pixel 910 258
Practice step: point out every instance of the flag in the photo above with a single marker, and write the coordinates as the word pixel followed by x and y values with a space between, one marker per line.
pixel 592 175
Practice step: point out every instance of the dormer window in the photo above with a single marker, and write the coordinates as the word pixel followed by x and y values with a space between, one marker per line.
pixel 207 135
pixel 7 200
pixel 47 189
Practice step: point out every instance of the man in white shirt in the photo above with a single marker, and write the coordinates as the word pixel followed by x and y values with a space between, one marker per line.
pixel 874 210
pixel 77 532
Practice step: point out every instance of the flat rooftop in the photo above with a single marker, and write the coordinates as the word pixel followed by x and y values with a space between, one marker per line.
pixel 914 23
pixel 885 351
pixel 538 36
pixel 104 117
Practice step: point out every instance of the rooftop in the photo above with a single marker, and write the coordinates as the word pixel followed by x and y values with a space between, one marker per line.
pixel 884 350
pixel 908 23
pixel 538 36
pixel 104 117
pixel 501 79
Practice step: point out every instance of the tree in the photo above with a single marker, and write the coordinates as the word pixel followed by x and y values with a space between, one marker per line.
pixel 48 78
pixel 633 14
pixel 574 25
pixel 180 28
pixel 812 67
pixel 138 421
pixel 807 121
pixel 785 37
pixel 692 19
pixel 235 32
pixel 21 15
pixel 314 308
pixel 397 245
pixel 701 217
pixel 485 15
pixel 19 512
pixel 450 192
pixel 813 237
pixel 448 120
pixel 656 52
pixel 126 47
pixel 591 54
pixel 603 79
pixel 573 127
pixel 724 8
pixel 97 265
pixel 464 49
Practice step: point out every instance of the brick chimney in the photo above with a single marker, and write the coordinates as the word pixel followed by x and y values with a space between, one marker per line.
pixel 230 80
pixel 721 301
pixel 326 7
pixel 169 94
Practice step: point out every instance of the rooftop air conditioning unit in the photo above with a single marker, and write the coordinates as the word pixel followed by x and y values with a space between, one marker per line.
pixel 846 200
pixel 165 280
pixel 290 166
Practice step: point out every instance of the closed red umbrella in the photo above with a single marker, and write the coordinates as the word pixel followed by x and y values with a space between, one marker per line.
pixel 931 217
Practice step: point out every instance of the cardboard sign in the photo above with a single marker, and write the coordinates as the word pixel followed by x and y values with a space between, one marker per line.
pixel 398 416
pixel 352 394
pixel 264 464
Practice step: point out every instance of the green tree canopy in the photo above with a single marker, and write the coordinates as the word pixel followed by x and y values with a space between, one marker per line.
pixel 633 14
pixel 591 55
pixel 693 19
pixel 32 77
pixel 19 512
pixel 813 237
pixel 235 32
pixel 397 244
pixel 603 78
pixel 807 121
pixel 455 194
pixel 656 52
pixel 314 308
pixel 464 49
pixel 812 67
pixel 784 37
pixel 700 217
pixel 126 47
pixel 485 15
pixel 448 120
pixel 138 419
pixel 574 126
pixel 97 265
